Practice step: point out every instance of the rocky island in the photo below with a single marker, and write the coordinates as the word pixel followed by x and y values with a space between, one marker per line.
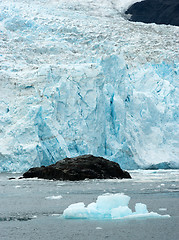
pixel 79 168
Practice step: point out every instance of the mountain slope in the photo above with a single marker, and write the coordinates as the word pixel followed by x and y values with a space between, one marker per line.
pixel 155 11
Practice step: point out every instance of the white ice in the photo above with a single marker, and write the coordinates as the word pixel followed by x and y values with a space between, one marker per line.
pixel 54 197
pixel 76 77
pixel 109 206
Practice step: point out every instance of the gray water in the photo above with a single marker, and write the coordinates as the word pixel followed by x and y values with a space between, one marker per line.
pixel 28 210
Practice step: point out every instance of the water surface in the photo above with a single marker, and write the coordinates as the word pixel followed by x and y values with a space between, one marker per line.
pixel 32 208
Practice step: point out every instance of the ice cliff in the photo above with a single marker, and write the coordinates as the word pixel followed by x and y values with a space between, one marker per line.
pixel 76 77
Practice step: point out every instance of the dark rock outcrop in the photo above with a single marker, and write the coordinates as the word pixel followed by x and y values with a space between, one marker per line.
pixel 79 168
pixel 155 11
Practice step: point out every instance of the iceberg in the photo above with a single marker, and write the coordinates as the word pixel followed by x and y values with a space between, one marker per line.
pixel 78 78
pixel 109 206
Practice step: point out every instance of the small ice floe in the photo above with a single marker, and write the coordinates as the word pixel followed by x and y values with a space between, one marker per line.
pixel 55 215
pixel 17 186
pixel 162 209
pixel 60 184
pixel 109 206
pixel 98 228
pixel 54 197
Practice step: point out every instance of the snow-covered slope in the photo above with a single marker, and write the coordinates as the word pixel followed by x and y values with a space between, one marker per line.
pixel 76 77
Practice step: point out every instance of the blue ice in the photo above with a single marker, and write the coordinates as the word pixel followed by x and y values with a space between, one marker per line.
pixel 109 206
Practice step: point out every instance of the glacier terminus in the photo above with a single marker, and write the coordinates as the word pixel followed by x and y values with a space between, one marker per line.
pixel 76 77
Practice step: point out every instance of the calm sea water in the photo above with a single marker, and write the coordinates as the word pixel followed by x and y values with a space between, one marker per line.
pixel 32 208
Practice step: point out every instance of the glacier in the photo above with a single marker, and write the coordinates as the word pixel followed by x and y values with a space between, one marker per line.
pixel 76 77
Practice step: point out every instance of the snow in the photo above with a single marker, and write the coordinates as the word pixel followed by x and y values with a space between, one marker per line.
pixel 77 78
pixel 123 5
pixel 109 206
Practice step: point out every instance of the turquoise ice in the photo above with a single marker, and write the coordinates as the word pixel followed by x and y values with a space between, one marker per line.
pixel 77 78
pixel 109 206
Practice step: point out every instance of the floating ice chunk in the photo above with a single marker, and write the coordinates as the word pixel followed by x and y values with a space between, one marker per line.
pixel 162 209
pixel 145 216
pixel 141 208
pixel 120 212
pixel 110 201
pixel 76 210
pixel 54 197
pixel 109 206
pixel 92 210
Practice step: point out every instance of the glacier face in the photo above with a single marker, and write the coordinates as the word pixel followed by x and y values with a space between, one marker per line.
pixel 76 77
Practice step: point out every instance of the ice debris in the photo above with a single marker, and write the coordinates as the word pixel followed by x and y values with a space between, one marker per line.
pixel 109 206
pixel 54 197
